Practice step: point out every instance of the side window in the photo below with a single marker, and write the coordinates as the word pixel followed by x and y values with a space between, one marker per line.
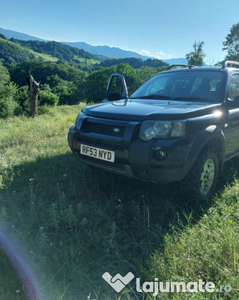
pixel 234 86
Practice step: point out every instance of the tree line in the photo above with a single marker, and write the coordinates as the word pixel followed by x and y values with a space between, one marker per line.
pixel 64 83
pixel 61 84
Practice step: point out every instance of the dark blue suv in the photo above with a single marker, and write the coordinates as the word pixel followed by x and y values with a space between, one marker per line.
pixel 181 125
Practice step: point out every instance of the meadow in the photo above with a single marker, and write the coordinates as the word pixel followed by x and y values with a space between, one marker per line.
pixel 71 223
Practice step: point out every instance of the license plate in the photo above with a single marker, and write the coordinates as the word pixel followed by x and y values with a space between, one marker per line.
pixel 97 153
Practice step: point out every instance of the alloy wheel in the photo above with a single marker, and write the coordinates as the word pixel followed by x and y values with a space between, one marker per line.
pixel 207 176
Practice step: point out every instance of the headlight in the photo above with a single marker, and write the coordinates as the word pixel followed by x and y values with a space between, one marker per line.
pixel 161 129
pixel 79 116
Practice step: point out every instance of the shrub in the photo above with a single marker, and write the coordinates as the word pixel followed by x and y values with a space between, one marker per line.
pixel 7 94
pixel 7 102
pixel 48 98
pixel 22 100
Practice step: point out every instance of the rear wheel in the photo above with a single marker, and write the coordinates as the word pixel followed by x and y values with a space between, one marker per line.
pixel 201 180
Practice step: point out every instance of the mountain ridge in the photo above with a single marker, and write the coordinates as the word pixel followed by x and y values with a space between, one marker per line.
pixel 106 50
pixel 15 51
pixel 102 52
pixel 18 35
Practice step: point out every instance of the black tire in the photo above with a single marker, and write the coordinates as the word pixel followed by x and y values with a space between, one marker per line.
pixel 201 180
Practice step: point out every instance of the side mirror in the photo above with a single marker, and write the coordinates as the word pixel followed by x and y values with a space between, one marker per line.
pixel 114 96
pixel 117 88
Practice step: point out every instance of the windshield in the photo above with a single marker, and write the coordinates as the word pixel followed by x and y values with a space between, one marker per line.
pixel 190 85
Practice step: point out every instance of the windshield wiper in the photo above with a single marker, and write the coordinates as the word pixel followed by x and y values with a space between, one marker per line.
pixel 159 97
pixel 193 99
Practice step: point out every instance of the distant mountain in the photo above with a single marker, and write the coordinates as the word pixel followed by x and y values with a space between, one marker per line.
pixel 176 61
pixel 113 52
pixel 106 50
pixel 101 52
pixel 18 35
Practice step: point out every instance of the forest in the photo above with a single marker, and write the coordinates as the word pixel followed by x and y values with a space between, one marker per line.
pixel 68 75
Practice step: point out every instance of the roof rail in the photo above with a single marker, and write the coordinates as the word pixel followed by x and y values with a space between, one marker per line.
pixel 182 66
pixel 225 63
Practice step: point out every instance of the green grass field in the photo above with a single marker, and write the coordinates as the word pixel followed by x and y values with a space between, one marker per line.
pixel 71 224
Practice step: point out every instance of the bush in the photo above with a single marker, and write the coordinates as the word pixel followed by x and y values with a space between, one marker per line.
pixel 22 100
pixel 7 94
pixel 48 98
pixel 7 103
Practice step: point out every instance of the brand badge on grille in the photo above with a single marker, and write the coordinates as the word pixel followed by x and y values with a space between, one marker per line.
pixel 116 130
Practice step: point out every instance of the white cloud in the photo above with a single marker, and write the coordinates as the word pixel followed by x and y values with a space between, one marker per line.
pixel 145 52
pixel 160 53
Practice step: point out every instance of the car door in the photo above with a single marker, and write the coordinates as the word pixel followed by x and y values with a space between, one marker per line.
pixel 232 122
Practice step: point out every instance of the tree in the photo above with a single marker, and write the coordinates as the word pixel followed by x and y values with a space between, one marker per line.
pixel 232 43
pixel 96 84
pixel 22 100
pixel 130 76
pixel 44 71
pixel 47 97
pixel 145 73
pixel 97 81
pixel 195 58
pixel 7 94
pixel 64 89
pixel 3 37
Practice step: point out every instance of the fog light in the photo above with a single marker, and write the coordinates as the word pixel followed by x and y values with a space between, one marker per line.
pixel 160 154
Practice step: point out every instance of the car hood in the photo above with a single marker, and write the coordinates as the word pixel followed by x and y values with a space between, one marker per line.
pixel 141 109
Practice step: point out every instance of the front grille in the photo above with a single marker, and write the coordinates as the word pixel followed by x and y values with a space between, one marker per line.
pixel 101 128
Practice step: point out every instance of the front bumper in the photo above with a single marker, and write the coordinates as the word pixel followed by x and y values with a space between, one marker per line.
pixel 135 158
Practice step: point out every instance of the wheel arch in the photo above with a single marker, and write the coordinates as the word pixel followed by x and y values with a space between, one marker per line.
pixel 211 137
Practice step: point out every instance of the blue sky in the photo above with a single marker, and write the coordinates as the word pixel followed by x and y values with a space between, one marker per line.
pixel 158 28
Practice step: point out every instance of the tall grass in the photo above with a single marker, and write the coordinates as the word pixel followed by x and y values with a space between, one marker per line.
pixel 72 223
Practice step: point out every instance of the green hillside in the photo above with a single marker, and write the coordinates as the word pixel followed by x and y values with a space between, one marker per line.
pixel 15 51
pixel 55 49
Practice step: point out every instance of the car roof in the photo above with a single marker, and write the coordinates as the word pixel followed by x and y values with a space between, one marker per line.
pixel 227 66
pixel 191 68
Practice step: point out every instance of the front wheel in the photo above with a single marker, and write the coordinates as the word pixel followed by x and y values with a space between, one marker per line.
pixel 201 180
